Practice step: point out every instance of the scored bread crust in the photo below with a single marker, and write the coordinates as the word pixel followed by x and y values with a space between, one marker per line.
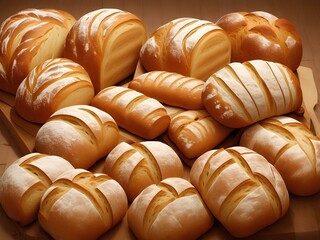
pixel 291 147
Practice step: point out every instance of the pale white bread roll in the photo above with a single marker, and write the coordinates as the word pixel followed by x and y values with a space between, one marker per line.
pixel 241 188
pixel 81 134
pixel 291 147
pixel 241 94
pixel 52 85
pixel 170 88
pixel 106 42
pixel 82 205
pixel 189 46
pixel 261 35
pixel 133 111
pixel 141 164
pixel 24 182
pixel 171 209
pixel 28 38
pixel 194 132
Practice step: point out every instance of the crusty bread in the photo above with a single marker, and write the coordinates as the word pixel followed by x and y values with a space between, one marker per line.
pixel 133 111
pixel 82 205
pixel 54 84
pixel 81 134
pixel 172 209
pixel 241 188
pixel 28 38
pixel 261 35
pixel 241 94
pixel 24 182
pixel 106 42
pixel 141 164
pixel 194 132
pixel 189 46
pixel 291 147
pixel 170 88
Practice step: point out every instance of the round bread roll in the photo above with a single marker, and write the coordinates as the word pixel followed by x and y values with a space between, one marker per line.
pixel 27 39
pixel 54 84
pixel 81 134
pixel 241 188
pixel 188 46
pixel 82 205
pixel 141 164
pixel 106 42
pixel 172 209
pixel 24 182
pixel 261 35
pixel 291 147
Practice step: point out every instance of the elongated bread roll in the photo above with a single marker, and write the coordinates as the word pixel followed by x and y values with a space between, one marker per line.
pixel 241 188
pixel 24 182
pixel 189 46
pixel 82 205
pixel 291 147
pixel 170 88
pixel 241 94
pixel 141 164
pixel 172 209
pixel 194 132
pixel 133 111
pixel 106 42
pixel 52 85
pixel 81 134
pixel 28 38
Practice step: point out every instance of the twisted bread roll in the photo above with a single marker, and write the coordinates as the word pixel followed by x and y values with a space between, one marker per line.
pixel 141 164
pixel 54 84
pixel 106 42
pixel 241 94
pixel 133 111
pixel 170 88
pixel 172 209
pixel 24 182
pixel 261 35
pixel 81 134
pixel 241 188
pixel 28 38
pixel 82 205
pixel 194 132
pixel 291 147
pixel 185 46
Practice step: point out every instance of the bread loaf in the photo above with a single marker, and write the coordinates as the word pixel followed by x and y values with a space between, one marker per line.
pixel 52 85
pixel 170 88
pixel 241 188
pixel 241 94
pixel 133 111
pixel 24 182
pixel 28 38
pixel 261 35
pixel 291 147
pixel 82 205
pixel 106 42
pixel 187 46
pixel 172 209
pixel 141 164
pixel 81 134
pixel 194 132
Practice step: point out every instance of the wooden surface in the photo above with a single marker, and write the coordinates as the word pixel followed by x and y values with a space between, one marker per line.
pixel 304 222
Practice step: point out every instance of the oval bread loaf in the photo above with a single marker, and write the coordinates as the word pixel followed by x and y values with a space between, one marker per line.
pixel 241 188
pixel 172 209
pixel 52 85
pixel 82 205
pixel 241 94
pixel 291 147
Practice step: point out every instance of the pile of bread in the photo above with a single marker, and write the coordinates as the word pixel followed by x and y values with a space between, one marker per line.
pixel 202 82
